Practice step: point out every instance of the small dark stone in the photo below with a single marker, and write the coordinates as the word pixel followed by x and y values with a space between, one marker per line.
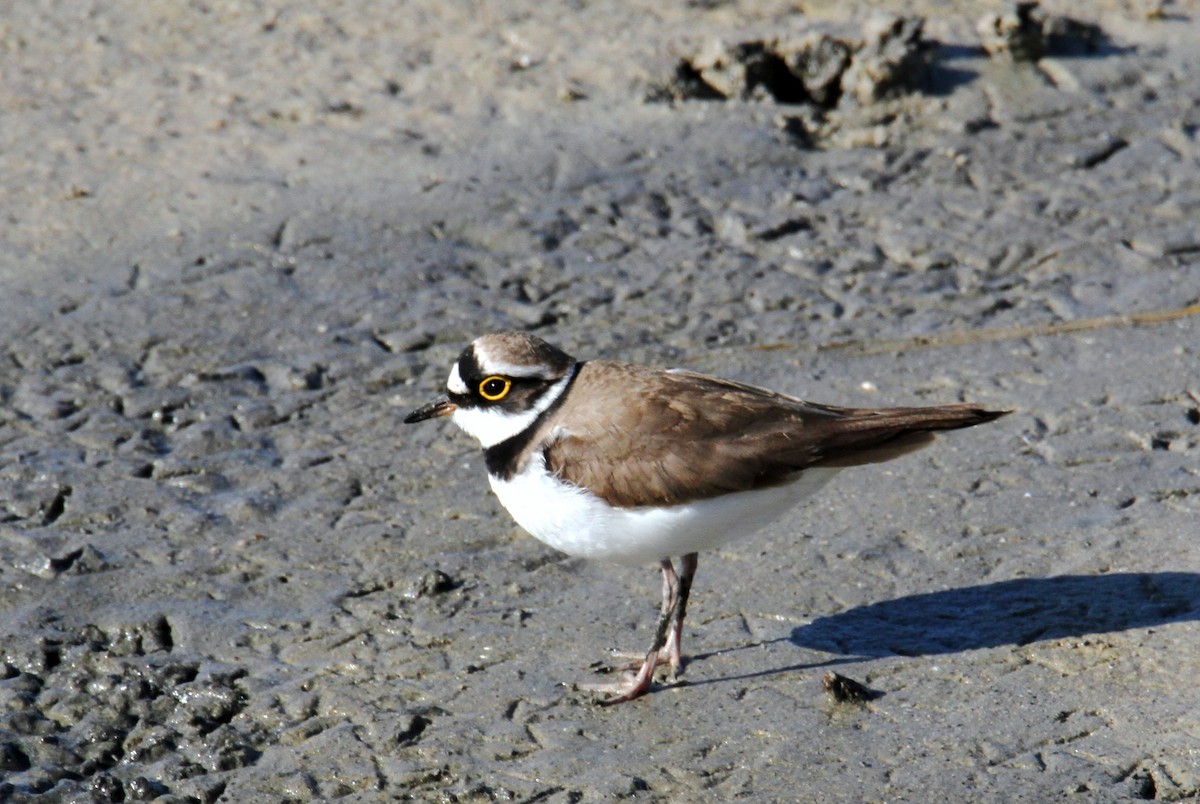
pixel 434 582
pixel 846 690
pixel 107 788
pixel 143 789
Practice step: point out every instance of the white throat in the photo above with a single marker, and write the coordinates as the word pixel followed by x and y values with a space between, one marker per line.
pixel 492 426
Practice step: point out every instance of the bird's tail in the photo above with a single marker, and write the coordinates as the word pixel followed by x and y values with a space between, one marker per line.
pixel 870 435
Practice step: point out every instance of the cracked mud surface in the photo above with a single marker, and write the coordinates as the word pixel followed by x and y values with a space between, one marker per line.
pixel 242 241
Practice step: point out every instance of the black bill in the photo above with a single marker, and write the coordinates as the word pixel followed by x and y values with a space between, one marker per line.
pixel 439 407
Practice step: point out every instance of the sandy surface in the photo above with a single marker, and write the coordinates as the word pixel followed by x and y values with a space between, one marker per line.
pixel 242 239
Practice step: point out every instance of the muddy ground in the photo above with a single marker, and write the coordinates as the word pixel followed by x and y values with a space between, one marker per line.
pixel 242 239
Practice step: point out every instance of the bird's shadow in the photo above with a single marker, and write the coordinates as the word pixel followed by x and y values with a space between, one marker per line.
pixel 1014 612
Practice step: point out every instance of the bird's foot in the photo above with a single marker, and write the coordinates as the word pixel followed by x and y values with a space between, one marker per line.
pixel 669 655
pixel 666 659
pixel 632 684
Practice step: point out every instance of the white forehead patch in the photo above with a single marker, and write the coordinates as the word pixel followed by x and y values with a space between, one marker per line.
pixel 455 384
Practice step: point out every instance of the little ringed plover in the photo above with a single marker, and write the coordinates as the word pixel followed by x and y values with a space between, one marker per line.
pixel 632 464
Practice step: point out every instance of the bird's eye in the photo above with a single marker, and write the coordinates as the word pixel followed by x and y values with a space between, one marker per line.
pixel 493 389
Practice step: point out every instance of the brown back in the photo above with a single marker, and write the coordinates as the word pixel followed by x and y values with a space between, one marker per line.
pixel 642 436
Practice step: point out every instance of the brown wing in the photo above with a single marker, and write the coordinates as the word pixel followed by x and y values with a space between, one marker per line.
pixel 645 436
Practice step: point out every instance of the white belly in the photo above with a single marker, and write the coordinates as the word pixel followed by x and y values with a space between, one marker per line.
pixel 581 524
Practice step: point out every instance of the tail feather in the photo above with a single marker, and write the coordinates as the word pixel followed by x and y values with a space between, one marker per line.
pixel 862 436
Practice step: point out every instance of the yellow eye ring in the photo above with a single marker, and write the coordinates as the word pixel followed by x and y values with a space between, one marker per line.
pixel 493 389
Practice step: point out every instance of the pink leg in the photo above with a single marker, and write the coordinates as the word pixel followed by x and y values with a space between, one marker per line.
pixel 672 651
pixel 667 635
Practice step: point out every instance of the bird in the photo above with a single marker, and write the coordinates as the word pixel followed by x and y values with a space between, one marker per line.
pixel 633 464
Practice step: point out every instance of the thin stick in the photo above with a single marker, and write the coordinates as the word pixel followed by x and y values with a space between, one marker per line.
pixel 964 338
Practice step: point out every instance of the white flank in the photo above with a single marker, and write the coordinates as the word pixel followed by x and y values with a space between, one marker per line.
pixel 579 523
pixel 493 425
